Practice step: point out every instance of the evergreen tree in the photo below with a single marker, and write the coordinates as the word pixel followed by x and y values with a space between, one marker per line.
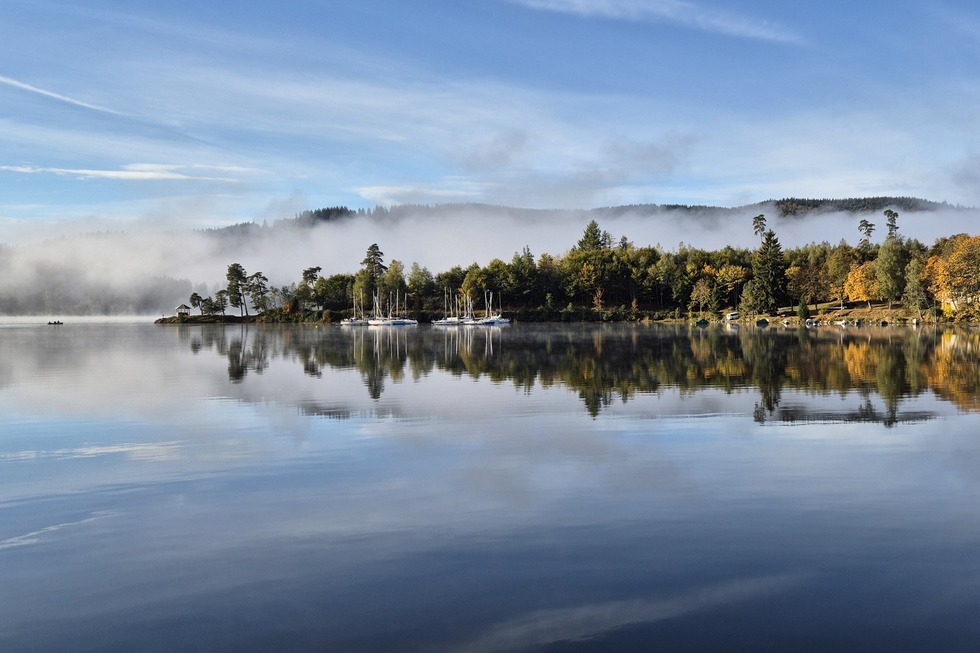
pixel 304 290
pixel 369 278
pixel 866 228
pixel 769 274
pixel 237 288
pixel 257 286
pixel 593 238
pixel 523 277
pixel 802 311
pixel 221 299
pixel 374 262
pixel 310 275
pixel 891 218
pixel 747 302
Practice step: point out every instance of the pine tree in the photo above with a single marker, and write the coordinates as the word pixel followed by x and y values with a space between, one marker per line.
pixel 769 274
pixel 592 239
pixel 237 287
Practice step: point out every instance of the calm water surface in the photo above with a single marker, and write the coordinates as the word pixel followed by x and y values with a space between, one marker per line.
pixel 531 488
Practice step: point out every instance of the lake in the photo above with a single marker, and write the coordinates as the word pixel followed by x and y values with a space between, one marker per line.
pixel 559 488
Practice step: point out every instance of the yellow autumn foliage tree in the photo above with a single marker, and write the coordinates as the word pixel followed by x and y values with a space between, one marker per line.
pixel 961 274
pixel 862 283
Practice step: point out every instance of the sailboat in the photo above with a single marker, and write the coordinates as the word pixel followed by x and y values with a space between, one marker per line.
pixel 402 319
pixel 354 319
pixel 449 318
pixel 493 318
pixel 392 318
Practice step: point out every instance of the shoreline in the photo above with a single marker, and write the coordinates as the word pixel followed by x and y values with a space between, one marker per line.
pixel 826 315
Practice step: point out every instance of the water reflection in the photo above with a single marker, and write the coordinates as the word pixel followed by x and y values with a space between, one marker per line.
pixel 608 363
pixel 167 489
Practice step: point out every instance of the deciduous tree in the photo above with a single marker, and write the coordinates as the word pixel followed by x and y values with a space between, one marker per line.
pixel 700 295
pixel 730 279
pixel 962 272
pixel 862 283
pixel 890 269
pixel 838 267
pixel 914 296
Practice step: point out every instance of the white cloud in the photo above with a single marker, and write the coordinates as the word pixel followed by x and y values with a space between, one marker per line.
pixel 449 190
pixel 688 14
pixel 56 96
pixel 132 172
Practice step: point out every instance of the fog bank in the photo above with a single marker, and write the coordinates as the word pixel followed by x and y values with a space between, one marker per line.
pixel 153 270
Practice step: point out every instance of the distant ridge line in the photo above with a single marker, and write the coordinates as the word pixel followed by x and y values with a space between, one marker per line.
pixel 790 207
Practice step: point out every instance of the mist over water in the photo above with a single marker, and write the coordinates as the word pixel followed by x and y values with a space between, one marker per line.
pixel 157 267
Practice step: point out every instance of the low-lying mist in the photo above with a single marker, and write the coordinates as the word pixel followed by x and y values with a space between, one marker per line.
pixel 151 271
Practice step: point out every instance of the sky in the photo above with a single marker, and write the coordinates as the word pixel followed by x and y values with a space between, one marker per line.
pixel 202 114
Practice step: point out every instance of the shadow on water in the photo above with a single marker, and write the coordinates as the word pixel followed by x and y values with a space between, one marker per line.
pixel 608 363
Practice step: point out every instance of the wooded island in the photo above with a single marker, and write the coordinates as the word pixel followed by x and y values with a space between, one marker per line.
pixel 602 278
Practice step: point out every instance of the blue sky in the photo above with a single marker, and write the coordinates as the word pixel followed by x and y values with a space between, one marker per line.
pixel 186 114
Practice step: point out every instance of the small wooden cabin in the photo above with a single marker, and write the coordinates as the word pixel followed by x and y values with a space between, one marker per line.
pixel 183 310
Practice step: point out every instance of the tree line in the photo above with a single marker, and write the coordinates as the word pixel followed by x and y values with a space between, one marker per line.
pixel 605 278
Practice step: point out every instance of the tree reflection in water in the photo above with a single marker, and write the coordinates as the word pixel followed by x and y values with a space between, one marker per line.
pixel 603 363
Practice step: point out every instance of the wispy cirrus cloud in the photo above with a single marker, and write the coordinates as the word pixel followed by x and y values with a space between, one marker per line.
pixel 9 81
pixel 135 172
pixel 688 14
